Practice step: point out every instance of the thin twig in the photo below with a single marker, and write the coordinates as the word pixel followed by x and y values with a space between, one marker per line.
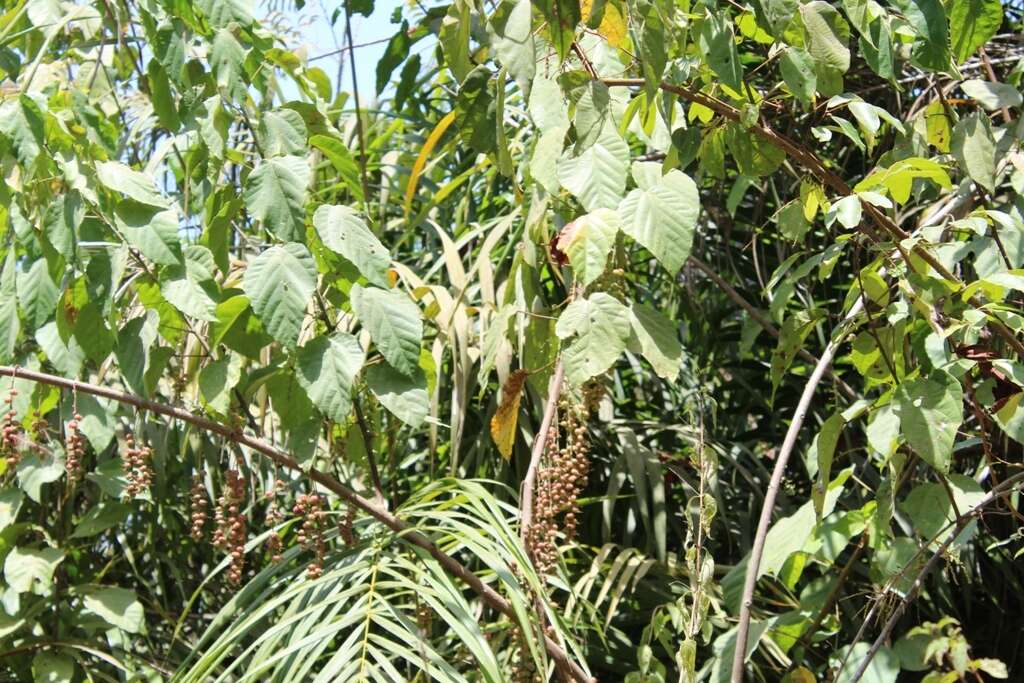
pixel 408 533
pixel 359 116
pixel 788 444
pixel 764 322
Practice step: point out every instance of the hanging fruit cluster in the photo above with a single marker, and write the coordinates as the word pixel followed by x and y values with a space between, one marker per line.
pixel 136 463
pixel 230 524
pixel 11 432
pixel 74 444
pixel 311 535
pixel 346 527
pixel 274 516
pixel 560 480
pixel 197 507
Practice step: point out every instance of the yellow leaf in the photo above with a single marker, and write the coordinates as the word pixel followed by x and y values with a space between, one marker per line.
pixel 503 424
pixel 421 160
pixel 937 126
pixel 801 674
pixel 613 25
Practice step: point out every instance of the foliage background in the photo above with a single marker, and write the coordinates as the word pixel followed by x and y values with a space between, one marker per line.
pixel 684 205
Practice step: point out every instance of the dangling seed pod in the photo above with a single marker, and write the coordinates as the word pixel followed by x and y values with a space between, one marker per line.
pixel 346 527
pixel 311 536
pixel 197 507
pixel 40 428
pixel 274 516
pixel 231 525
pixel 136 465
pixel 11 432
pixel 560 480
pixel 74 444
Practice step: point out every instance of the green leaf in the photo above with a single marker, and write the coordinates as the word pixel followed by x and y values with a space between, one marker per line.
pixel 928 18
pixel 547 105
pixel 847 211
pixel 135 340
pixel 394 324
pixel 275 193
pixel 394 54
pixel 974 147
pixel 221 13
pixel 10 323
pixel 511 29
pixel 68 357
pixel 343 231
pixel 601 326
pixel 454 37
pixel 795 329
pixel 587 241
pixel 597 177
pixel 930 410
pixel 327 368
pixel 117 606
pixel 35 470
pixel 97 422
pixel 476 108
pixel 61 222
pixel 562 17
pixel 227 61
pixel 992 96
pixel 280 283
pixel 658 338
pixel 820 454
pixel 828 34
pixel 101 517
pixel 37 293
pixel 21 121
pixel 797 68
pixel 154 232
pixel 972 23
pixel 27 569
pixel 51 667
pixel 282 132
pixel 217 380
pixel 717 43
pixel 406 398
pixel 10 504
pixel 663 217
pixel 929 509
pixel 119 178
pixel 187 294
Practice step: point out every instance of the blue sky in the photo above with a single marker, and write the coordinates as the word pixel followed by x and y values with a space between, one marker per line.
pixel 320 38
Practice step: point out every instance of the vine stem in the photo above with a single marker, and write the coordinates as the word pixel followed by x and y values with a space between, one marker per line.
pixel 491 597
pixel 1007 487
pixel 539 441
pixel 767 507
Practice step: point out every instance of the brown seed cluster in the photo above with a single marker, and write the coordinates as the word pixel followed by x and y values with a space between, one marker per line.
pixel 197 507
pixel 40 428
pixel 74 444
pixel 11 431
pixel 311 535
pixel 346 527
pixel 523 668
pixel 230 524
pixel 274 516
pixel 137 467
pixel 560 480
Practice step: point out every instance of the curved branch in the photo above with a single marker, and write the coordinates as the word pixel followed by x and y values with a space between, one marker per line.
pixel 788 444
pixel 491 597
